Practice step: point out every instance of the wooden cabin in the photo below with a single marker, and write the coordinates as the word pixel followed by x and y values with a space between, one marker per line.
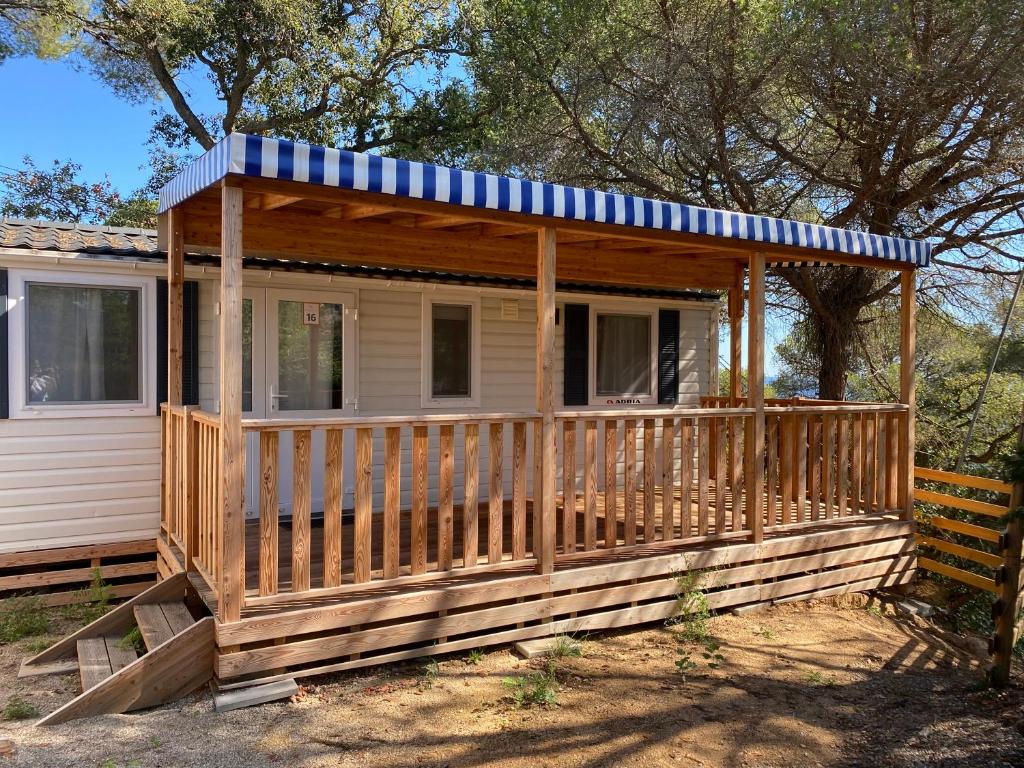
pixel 409 410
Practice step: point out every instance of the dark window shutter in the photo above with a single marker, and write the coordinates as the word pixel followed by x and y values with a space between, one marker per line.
pixel 576 332
pixel 190 342
pixel 668 356
pixel 5 383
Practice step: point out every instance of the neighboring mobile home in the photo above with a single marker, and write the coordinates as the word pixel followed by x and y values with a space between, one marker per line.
pixel 408 410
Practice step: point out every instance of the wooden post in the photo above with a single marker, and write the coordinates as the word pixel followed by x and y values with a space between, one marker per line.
pixel 908 388
pixel 546 398
pixel 231 438
pixel 755 398
pixel 736 340
pixel 175 299
pixel 1007 609
pixel 190 487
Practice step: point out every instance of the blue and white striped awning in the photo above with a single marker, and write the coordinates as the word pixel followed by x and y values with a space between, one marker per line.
pixel 259 157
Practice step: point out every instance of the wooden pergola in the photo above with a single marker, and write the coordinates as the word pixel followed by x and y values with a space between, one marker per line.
pixel 251 196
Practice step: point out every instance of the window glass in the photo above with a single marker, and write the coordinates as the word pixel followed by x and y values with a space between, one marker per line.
pixel 623 355
pixel 83 344
pixel 309 348
pixel 451 345
pixel 247 355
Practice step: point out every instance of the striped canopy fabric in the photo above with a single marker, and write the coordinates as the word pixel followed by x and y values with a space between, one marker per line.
pixel 260 157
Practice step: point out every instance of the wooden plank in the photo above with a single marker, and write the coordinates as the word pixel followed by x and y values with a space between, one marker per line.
pixel 958 550
pixel 446 499
pixel 959 526
pixel 251 695
pixel 230 553
pixel 704 429
pixel 589 485
pixel 686 477
pixel 392 531
pixel 870 463
pixel 958 574
pixel 70 554
pixel 773 515
pixel 75 575
pixel 160 676
pixel 892 428
pixel 334 483
pixel 611 481
pixel 568 487
pixel 650 461
pixel 93 662
pixel 842 464
pixel 470 490
pixel 269 506
pixel 629 481
pixel 175 302
pixel 496 492
pixel 736 442
pixel 969 481
pixel 908 388
pixel 668 474
pixel 519 490
pixel 178 617
pixel 814 466
pixel 787 468
pixel 755 397
pixel 721 473
pixel 800 468
pixel 153 625
pixel 301 509
pixel 418 520
pixel 545 403
pixel 363 521
pixel 856 464
pixel 828 464
pixel 955 502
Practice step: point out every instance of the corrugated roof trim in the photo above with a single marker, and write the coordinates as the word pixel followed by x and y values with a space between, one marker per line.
pixel 261 157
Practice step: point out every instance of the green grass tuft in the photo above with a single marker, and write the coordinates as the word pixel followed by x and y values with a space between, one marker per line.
pixel 19 709
pixel 23 616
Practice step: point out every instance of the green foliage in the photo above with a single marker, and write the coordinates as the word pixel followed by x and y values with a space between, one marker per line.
pixel 819 678
pixel 90 603
pixel 430 672
pixel 766 632
pixel 19 709
pixel 563 646
pixel 38 644
pixel 692 613
pixel 536 689
pixel 132 640
pixel 475 656
pixel 22 616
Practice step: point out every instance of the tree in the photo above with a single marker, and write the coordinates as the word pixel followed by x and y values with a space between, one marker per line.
pixel 364 75
pixel 898 118
pixel 60 194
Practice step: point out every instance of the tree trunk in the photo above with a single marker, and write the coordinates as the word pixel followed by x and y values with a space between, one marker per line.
pixel 835 353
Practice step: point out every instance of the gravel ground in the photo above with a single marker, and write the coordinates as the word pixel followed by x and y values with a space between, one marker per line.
pixel 829 683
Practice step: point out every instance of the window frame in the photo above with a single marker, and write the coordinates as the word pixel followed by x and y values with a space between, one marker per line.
pixel 427 398
pixel 629 310
pixel 20 406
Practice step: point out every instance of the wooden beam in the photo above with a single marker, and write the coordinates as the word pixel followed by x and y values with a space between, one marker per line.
pixel 736 338
pixel 755 446
pixel 1007 610
pixel 908 389
pixel 231 439
pixel 175 292
pixel 546 396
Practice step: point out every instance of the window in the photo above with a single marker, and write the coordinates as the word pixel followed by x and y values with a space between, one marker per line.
pixel 624 363
pixel 83 343
pixel 451 353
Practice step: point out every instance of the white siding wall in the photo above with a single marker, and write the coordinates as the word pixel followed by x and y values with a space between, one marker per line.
pixel 94 480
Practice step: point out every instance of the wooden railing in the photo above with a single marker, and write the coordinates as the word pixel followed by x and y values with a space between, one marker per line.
pixel 208 547
pixel 436 533
pixel 826 461
pixel 649 476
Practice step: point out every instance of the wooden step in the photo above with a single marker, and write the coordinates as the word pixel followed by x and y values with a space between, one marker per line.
pixel 100 657
pixel 159 622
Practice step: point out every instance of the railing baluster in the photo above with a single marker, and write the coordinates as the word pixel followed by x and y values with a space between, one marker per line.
pixel 471 490
pixel 668 478
pixel 828 430
pixel 773 436
pixel 787 469
pixel 334 482
pixel 518 490
pixel 856 465
pixel 269 442
pixel 800 460
pixel 721 474
pixel 843 464
pixel 301 510
pixel 685 477
pixel 590 485
pixel 362 525
pixel 814 466
pixel 418 523
pixel 736 445
pixel 611 464
pixel 496 493
pixel 569 487
pixel 446 498
pixel 650 459
pixel 704 430
pixel 892 460
pixel 629 482
pixel 392 536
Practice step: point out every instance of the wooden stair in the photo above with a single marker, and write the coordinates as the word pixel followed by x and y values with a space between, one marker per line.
pixel 115 678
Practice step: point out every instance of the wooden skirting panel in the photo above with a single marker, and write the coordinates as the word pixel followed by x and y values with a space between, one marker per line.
pixel 590 595
pixel 63 576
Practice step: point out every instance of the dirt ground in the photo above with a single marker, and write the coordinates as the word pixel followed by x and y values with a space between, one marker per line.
pixel 831 683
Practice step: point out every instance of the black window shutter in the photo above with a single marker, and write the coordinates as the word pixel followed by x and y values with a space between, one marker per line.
pixel 668 356
pixel 576 376
pixel 189 338
pixel 5 384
